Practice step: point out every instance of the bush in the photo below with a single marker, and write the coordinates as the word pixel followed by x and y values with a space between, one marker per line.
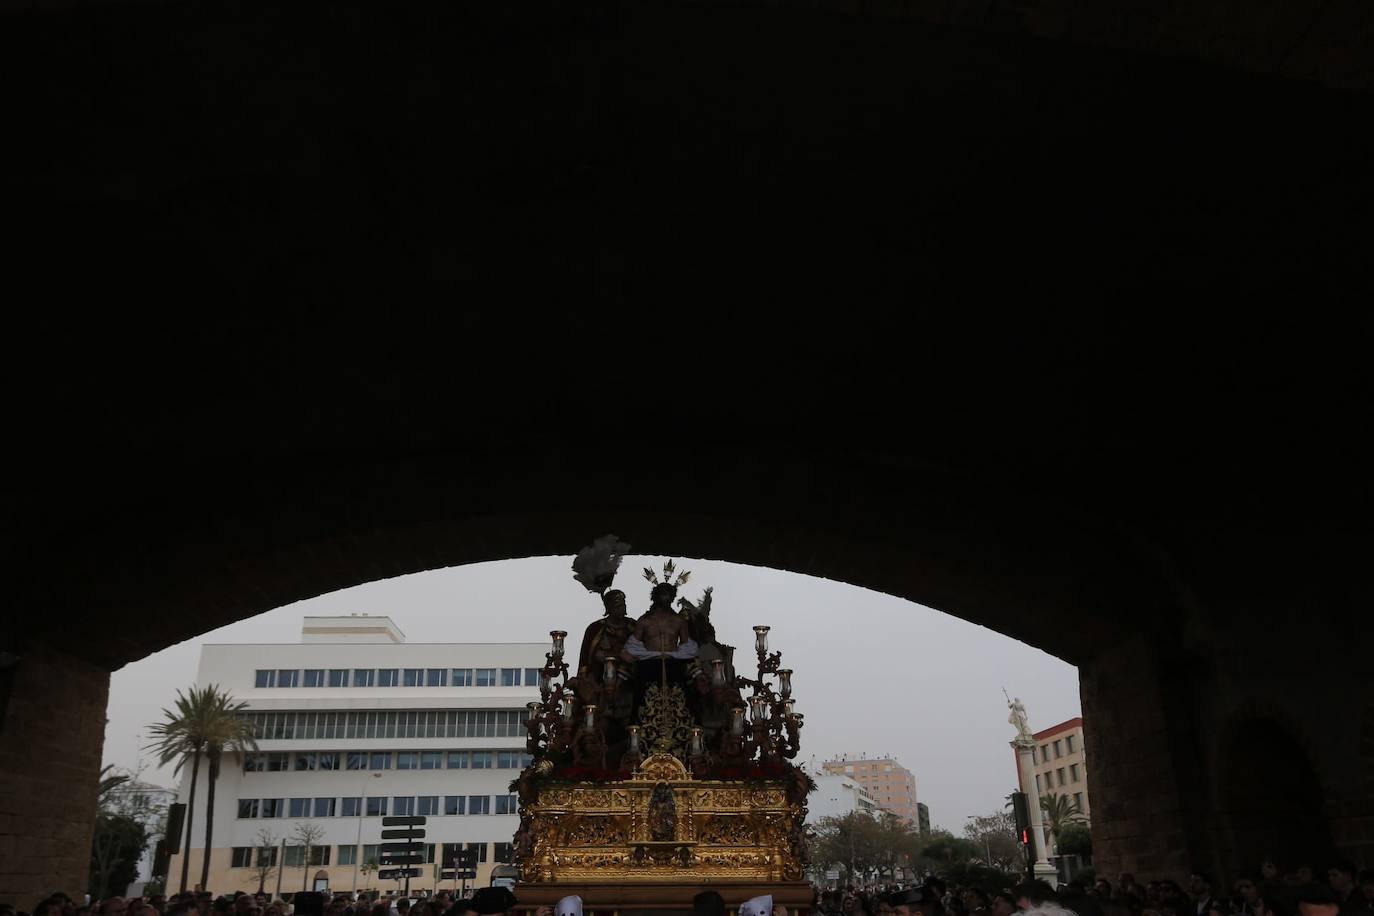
pixel 1074 840
pixel 972 874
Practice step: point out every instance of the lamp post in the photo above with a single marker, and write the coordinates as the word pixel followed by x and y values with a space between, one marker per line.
pixel 358 847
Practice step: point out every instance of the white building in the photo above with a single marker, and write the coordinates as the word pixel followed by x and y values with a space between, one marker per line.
pixel 837 795
pixel 354 724
pixel 148 804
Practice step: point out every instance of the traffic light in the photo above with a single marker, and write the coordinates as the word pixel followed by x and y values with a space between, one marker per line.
pixel 1020 807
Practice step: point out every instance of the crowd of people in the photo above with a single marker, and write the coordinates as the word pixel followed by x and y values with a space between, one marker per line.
pixel 1342 891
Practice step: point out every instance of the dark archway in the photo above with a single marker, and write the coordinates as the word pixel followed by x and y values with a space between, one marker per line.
pixel 1273 797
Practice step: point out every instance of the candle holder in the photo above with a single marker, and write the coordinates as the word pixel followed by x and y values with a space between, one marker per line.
pixel 758 709
pixel 717 673
pixel 737 720
pixel 634 739
pixel 590 716
pixel 567 709
pixel 558 637
pixel 785 682
pixel 696 749
pixel 789 708
pixel 608 672
pixel 761 640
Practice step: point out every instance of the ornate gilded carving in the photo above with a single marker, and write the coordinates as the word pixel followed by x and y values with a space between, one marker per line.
pixel 604 833
pixel 665 723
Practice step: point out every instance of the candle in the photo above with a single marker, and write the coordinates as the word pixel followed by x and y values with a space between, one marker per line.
pixel 790 705
pixel 590 721
pixel 567 709
pixel 737 720
pixel 634 739
pixel 785 682
pixel 545 681
pixel 761 640
pixel 697 750
pixel 609 673
pixel 558 636
pixel 759 708
pixel 717 673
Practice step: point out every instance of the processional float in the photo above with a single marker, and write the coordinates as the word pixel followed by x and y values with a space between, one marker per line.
pixel 658 770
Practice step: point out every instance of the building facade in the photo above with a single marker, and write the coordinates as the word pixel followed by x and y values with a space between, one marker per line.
pixel 353 724
pixel 922 817
pixel 148 805
pixel 837 795
pixel 1061 766
pixel 889 783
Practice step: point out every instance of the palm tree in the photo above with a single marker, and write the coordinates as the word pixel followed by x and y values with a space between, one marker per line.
pixel 204 721
pixel 1060 811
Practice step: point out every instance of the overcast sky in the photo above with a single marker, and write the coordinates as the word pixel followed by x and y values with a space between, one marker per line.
pixel 874 674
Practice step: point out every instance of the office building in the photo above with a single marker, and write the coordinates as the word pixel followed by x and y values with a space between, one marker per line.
pixel 889 783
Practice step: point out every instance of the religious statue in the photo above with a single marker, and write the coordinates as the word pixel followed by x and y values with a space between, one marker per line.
pixel 605 638
pixel 1018 719
pixel 662 814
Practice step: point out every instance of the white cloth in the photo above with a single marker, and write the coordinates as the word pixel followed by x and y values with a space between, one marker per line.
pixel 569 906
pixel 1049 908
pixel 759 906
pixel 635 646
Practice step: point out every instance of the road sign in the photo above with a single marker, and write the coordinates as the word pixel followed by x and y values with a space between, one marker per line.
pixel 832 875
pixel 398 847
pixel 456 874
pixel 411 833
pixel 403 822
pixel 402 858
pixel 396 874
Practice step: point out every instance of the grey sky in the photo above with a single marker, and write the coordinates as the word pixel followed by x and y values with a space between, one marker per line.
pixel 874 673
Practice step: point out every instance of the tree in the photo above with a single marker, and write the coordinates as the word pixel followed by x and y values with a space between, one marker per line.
pixel 1074 840
pixel 307 835
pixel 864 843
pixel 124 815
pixel 204 721
pixel 995 835
pixel 945 849
pixel 368 868
pixel 264 856
pixel 1059 811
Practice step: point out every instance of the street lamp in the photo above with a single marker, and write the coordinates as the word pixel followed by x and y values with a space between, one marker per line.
pixel 358 847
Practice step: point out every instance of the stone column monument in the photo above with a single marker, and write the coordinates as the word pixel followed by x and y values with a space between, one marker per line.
pixel 1024 744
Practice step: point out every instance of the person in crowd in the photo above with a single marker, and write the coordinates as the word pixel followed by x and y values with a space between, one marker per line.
pixel 918 901
pixel 1316 899
pixel 1367 887
pixel 1200 892
pixel 831 903
pixel 114 906
pixel 975 901
pixel 1127 889
pixel 1102 888
pixel 1247 901
pixel 1003 904
pixel 1037 898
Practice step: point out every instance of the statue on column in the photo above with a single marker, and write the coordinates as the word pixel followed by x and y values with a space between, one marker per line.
pixel 1019 719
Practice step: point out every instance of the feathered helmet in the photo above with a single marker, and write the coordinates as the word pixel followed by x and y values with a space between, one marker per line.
pixel 595 566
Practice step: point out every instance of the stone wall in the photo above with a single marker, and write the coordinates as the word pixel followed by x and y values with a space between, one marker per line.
pixel 50 752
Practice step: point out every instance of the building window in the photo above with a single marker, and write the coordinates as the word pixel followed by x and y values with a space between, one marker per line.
pixel 504 853
pixel 429 853
pixel 510 677
pixel 278 762
pixel 427 805
pixel 480 849
pixel 274 807
pixel 1073 772
pixel 1037 783
pixel 264 679
pixel 479 804
pixel 248 807
pixel 450 854
pixel 457 760
pixel 453 804
pixel 508 760
pixel 1078 798
pixel 376 806
pixel 1060 773
pixel 348 855
pixel 357 760
pixel 506 804
pixel 324 807
pixel 338 677
pixel 1044 753
pixel 486 677
pixel 300 807
pixel 352 807
pixel 531 677
pixel 364 677
pixel 407 760
pixel 436 677
pixel 412 677
pixel 305 762
pixel 1058 749
pixel 319 855
pixel 327 760
pixel 387 677
pixel 403 806
pixel 431 760
pixel 1068 740
pixel 295 857
pixel 314 677
pixel 462 677
pixel 370 852
pixel 288 678
pixel 242 857
pixel 481 760
pixel 381 760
